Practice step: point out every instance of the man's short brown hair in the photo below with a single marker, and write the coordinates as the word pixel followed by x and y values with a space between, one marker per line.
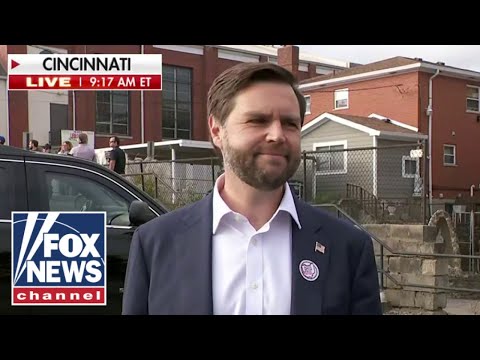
pixel 228 84
pixel 83 138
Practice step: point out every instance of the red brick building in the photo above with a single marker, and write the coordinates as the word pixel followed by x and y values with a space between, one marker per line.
pixel 177 112
pixel 441 101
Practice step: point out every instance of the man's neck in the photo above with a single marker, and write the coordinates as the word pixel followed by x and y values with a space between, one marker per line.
pixel 256 205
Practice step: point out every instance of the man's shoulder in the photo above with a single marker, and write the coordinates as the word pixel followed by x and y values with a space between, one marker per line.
pixel 115 153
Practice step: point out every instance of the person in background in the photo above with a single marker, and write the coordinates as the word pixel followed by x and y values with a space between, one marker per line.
pixel 83 150
pixel 33 145
pixel 47 148
pixel 2 140
pixel 117 159
pixel 251 247
pixel 66 148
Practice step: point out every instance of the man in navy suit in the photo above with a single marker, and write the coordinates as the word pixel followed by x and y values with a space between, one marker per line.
pixel 250 247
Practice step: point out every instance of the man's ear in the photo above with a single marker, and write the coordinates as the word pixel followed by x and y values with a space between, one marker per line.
pixel 215 129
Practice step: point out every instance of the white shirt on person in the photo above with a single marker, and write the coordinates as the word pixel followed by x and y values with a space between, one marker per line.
pixel 251 270
pixel 83 151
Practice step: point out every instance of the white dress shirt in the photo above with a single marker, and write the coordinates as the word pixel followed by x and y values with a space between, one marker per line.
pixel 252 270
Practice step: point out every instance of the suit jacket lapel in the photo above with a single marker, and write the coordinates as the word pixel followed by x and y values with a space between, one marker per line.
pixel 307 293
pixel 193 249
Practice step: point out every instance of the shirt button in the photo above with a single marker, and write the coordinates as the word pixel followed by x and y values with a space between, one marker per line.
pixel 254 286
pixel 254 242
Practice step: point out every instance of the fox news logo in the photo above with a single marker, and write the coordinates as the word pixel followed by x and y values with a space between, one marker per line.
pixel 58 258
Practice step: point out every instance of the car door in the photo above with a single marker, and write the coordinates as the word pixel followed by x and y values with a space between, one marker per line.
pixel 12 198
pixel 69 187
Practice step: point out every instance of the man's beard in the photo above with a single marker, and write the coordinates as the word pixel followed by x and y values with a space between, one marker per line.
pixel 245 164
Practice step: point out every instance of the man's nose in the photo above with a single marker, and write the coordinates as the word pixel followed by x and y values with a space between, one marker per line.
pixel 275 131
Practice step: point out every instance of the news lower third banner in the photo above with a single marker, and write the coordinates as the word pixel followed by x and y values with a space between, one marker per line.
pixel 85 72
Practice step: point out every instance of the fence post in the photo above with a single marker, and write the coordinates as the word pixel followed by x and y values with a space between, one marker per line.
pixel 141 171
pixel 304 195
pixel 150 150
pixel 424 190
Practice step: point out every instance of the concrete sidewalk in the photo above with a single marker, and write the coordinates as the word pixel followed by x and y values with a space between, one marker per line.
pixel 462 307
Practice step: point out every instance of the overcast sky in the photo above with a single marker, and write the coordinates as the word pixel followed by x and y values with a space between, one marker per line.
pixel 462 56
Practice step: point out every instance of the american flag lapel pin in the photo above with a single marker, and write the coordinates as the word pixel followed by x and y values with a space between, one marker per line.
pixel 319 247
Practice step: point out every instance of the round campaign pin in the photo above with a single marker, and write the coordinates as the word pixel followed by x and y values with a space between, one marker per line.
pixel 309 270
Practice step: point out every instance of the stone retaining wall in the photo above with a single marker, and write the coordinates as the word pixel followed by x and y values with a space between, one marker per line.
pixel 412 272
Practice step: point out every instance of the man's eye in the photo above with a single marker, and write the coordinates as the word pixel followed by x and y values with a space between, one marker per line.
pixel 292 123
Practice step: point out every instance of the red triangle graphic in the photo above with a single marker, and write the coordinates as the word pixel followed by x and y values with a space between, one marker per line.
pixel 14 64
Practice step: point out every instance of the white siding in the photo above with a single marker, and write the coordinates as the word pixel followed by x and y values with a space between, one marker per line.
pixel 359 170
pixel 391 184
pixel 331 131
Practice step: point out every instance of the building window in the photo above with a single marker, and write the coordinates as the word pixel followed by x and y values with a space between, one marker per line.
pixel 331 157
pixel 112 113
pixel 449 155
pixel 308 101
pixel 473 98
pixel 177 102
pixel 341 99
pixel 410 167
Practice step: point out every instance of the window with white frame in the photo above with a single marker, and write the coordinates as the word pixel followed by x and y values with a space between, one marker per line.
pixel 473 98
pixel 410 167
pixel 449 155
pixel 308 101
pixel 331 157
pixel 341 99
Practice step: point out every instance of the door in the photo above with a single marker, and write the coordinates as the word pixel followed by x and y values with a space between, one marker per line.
pixel 13 198
pixel 58 122
pixel 57 187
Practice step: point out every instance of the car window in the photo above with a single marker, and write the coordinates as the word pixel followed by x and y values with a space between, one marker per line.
pixel 6 206
pixel 68 192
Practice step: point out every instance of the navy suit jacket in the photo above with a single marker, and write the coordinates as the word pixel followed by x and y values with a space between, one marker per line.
pixel 169 269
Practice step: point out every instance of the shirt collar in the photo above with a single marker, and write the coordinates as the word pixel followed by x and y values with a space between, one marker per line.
pixel 220 208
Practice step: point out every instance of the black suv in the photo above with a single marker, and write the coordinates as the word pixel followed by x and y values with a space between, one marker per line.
pixel 32 181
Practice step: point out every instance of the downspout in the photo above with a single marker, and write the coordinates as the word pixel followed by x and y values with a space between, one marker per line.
pixel 429 113
pixel 142 115
pixel 7 109
pixel 375 175
pixel 73 111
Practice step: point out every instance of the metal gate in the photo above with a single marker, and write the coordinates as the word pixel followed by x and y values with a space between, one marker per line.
pixel 467 224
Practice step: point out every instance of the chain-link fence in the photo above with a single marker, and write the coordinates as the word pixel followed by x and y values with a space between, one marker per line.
pixel 373 185
pixel 175 183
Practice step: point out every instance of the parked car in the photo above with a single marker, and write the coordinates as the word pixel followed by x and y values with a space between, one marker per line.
pixel 33 181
